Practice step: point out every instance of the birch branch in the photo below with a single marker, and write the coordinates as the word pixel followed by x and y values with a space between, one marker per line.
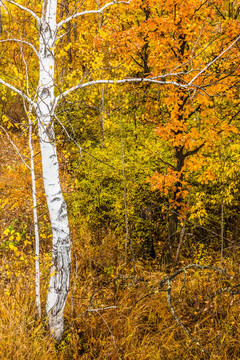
pixel 121 81
pixel 19 92
pixel 15 147
pixel 22 42
pixel 87 12
pixel 25 9
pixel 214 60
pixel 102 309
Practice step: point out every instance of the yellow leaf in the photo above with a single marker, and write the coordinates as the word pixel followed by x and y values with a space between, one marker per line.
pixel 12 247
pixel 26 242
pixel 6 232
pixel 18 237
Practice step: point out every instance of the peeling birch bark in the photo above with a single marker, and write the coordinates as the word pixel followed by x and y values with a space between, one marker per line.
pixel 61 249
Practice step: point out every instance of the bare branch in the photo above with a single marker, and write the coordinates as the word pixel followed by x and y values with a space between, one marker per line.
pixel 169 300
pixel 191 266
pixel 15 147
pixel 25 9
pixel 167 280
pixel 19 92
pixel 87 12
pixel 102 309
pixel 168 164
pixel 21 42
pixel 122 81
pixel 214 60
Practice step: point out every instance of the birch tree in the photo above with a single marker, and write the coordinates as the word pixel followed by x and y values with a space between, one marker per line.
pixel 44 106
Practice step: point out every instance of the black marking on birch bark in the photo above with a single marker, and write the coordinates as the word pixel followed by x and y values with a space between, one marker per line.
pixel 56 198
pixel 59 304
pixel 55 248
pixel 62 214
pixel 60 260
pixel 51 135
pixel 45 93
pixel 47 28
pixel 58 281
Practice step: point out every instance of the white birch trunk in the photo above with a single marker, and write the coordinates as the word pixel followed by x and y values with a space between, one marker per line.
pixel 61 252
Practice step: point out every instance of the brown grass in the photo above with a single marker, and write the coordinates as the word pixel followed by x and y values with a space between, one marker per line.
pixel 138 324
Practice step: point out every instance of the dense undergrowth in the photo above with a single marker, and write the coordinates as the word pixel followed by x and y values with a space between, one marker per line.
pixel 119 307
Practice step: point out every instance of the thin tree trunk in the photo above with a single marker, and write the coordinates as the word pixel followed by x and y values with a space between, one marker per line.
pixel 1 26
pixel 102 101
pixel 127 236
pixel 36 230
pixel 102 117
pixel 222 230
pixel 183 229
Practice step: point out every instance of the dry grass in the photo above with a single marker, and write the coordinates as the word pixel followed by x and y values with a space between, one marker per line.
pixel 138 323
pixel 21 336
